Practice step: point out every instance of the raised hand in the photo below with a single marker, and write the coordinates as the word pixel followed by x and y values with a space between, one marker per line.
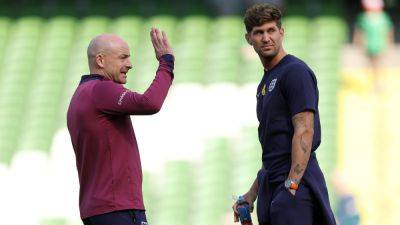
pixel 160 43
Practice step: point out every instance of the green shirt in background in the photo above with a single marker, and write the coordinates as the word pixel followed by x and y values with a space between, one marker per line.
pixel 375 27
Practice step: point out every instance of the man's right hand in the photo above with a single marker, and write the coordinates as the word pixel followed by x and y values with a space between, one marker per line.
pixel 160 43
pixel 249 198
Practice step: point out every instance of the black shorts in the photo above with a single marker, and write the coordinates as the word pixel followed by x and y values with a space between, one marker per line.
pixel 122 217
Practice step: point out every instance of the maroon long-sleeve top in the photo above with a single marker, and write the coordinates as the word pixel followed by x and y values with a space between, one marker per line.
pixel 107 155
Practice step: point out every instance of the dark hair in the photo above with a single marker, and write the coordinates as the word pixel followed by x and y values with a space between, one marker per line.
pixel 259 14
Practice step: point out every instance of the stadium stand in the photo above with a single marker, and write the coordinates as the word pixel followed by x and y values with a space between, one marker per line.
pixel 41 120
pixel 176 194
pixel 209 183
pixel 18 59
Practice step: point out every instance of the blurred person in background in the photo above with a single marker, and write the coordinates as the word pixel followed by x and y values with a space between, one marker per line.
pixel 99 123
pixel 347 212
pixel 374 32
pixel 290 187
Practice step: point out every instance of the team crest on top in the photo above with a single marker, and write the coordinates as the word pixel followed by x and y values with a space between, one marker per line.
pixel 272 85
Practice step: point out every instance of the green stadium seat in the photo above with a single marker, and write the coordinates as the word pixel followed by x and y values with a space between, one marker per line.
pixel 15 79
pixel 191 48
pixel 247 159
pixel 214 177
pixel 165 23
pixel 130 28
pixel 224 48
pixel 44 100
pixel 297 36
pixel 146 64
pixel 193 28
pixel 176 195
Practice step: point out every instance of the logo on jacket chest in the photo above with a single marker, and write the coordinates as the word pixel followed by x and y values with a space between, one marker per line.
pixel 272 85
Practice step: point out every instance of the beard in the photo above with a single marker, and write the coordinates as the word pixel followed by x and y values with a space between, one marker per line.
pixel 269 54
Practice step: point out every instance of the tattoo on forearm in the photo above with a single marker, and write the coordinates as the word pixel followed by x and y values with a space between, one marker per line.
pixel 299 121
pixel 298 169
pixel 304 146
pixel 303 120
pixel 302 123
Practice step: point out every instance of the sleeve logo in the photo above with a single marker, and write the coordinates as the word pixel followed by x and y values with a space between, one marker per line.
pixel 122 97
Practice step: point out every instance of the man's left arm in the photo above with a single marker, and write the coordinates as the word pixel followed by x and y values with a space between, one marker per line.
pixel 303 124
pixel 300 91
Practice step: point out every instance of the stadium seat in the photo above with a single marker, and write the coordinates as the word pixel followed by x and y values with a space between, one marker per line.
pixel 217 160
pixel 15 80
pixel 146 62
pixel 42 118
pixel 246 160
pixel 176 195
pixel 191 49
pixel 297 35
pixel 224 48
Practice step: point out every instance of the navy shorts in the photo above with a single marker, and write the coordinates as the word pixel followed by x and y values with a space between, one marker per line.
pixel 122 217
pixel 298 209
pixel 277 206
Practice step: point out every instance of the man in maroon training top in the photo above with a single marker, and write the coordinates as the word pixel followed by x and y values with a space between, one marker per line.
pixel 107 156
